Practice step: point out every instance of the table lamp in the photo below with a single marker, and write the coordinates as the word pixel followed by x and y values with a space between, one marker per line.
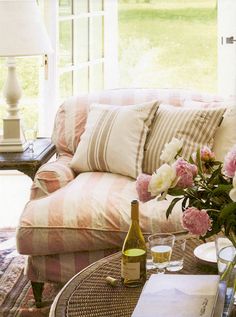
pixel 22 33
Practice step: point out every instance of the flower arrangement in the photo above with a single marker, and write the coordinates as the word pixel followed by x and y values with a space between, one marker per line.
pixel 206 187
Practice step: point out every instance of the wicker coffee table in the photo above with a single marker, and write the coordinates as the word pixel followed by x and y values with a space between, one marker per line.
pixel 87 294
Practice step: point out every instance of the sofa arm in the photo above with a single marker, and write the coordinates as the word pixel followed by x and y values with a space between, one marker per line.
pixel 52 176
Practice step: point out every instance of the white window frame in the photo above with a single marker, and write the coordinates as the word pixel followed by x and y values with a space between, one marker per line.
pixel 49 81
pixel 226 51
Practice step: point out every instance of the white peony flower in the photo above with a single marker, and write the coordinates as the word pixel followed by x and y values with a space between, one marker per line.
pixel 170 150
pixel 162 179
pixel 232 193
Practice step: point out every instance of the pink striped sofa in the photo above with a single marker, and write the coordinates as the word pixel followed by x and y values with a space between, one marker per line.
pixel 73 220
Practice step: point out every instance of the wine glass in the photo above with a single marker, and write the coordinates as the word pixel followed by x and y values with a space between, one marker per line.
pixel 161 245
pixel 31 135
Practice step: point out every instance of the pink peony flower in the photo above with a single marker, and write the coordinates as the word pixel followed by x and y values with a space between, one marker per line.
pixel 232 193
pixel 142 183
pixel 230 163
pixel 185 172
pixel 196 221
pixel 207 155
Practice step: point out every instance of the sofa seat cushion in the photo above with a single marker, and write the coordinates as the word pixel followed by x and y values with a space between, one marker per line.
pixel 92 212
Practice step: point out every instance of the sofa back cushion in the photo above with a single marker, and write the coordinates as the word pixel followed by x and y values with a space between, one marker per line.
pixel 196 127
pixel 114 138
pixel 72 114
pixel 225 136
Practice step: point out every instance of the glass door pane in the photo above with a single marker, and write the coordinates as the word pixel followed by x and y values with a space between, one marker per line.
pixel 96 78
pixel 81 80
pixel 66 85
pixel 96 37
pixel 81 6
pixel 65 7
pixel 65 40
pixel 81 41
pixel 96 5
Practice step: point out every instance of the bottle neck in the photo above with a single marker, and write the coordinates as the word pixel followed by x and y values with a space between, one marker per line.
pixel 134 212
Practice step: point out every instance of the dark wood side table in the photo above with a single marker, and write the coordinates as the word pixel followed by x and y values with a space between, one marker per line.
pixel 28 162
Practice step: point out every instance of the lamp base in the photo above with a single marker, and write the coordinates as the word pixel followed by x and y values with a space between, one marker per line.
pixel 13 139
pixel 12 145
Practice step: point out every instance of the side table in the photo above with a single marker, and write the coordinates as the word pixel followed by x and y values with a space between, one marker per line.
pixel 28 162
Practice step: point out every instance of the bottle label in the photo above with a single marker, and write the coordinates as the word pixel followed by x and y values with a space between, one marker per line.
pixel 130 271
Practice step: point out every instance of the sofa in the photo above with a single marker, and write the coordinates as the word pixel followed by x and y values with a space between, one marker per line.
pixel 79 208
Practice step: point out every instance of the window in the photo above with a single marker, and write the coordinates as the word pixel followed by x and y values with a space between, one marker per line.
pixel 152 52
pixel 81 46
pixel 84 37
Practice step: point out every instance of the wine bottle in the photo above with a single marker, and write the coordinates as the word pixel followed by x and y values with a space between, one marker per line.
pixel 134 252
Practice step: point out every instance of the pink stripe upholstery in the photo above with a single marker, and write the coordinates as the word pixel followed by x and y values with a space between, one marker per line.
pixel 60 268
pixel 71 221
pixel 52 176
pixel 72 115
pixel 91 213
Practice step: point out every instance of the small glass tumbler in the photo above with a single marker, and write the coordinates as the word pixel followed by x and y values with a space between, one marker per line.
pixel 177 257
pixel 226 263
pixel 31 135
pixel 161 245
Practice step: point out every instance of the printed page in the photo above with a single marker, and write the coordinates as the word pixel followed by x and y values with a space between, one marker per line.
pixel 178 295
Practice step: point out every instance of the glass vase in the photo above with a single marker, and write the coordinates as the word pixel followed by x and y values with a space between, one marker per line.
pixel 226 263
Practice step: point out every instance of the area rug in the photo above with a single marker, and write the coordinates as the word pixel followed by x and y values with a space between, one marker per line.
pixel 16 297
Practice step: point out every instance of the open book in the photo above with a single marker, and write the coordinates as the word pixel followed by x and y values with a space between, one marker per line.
pixel 167 295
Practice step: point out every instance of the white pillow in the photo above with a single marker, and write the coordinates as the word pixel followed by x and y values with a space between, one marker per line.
pixel 114 138
pixel 196 127
pixel 225 136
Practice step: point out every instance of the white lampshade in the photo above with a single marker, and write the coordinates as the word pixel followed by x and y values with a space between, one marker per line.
pixel 22 31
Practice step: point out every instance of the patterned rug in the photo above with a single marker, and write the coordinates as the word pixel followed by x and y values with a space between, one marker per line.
pixel 16 297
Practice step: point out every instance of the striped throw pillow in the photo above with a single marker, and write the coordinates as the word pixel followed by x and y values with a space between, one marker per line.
pixel 196 127
pixel 114 138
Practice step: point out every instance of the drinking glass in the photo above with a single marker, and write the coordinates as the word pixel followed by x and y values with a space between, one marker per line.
pixel 31 135
pixel 177 257
pixel 226 256
pixel 161 245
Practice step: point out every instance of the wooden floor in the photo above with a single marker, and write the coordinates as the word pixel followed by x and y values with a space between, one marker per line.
pixel 14 193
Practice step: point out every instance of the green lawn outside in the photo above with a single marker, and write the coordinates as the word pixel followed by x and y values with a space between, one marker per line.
pixel 168 43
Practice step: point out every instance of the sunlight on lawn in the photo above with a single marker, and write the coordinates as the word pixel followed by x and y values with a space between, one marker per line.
pixel 168 44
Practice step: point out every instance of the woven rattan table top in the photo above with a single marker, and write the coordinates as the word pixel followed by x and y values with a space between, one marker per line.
pixel 88 294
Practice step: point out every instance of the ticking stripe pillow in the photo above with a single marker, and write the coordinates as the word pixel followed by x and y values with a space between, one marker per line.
pixel 114 138
pixel 196 127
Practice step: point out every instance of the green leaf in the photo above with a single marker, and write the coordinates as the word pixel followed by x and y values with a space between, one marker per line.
pixel 199 161
pixel 184 203
pixel 176 191
pixel 171 206
pixel 222 189
pixel 227 211
pixel 214 175
pixel 191 160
